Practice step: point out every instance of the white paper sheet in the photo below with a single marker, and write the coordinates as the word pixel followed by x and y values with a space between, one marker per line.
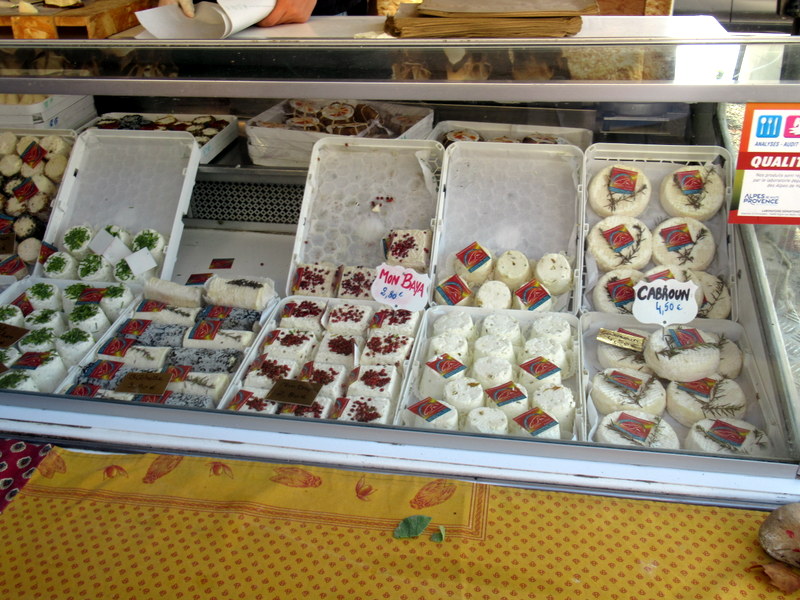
pixel 211 21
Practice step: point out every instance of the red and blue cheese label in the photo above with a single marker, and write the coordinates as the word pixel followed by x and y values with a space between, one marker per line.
pixel 339 406
pixel 33 154
pixel 628 382
pixel 677 237
pixel 684 338
pixel 25 190
pixel 429 409
pixel 689 182
pixel 178 373
pixel 117 346
pixel 91 296
pixel 23 304
pixel 205 329
pixel 535 421
pixel 104 369
pixel 618 238
pixel 660 276
pixel 633 427
pixel 83 390
pixel 134 327
pixel 216 312
pixel 152 398
pixel 240 399
pixel 6 224
pixel 539 367
pixel 33 360
pixel 453 290
pixel 728 434
pixel 473 257
pixel 506 393
pixel 446 366
pixel 621 291
pixel 151 306
pixel 532 294
pixel 702 387
pixel 622 181
pixel 46 251
pixel 13 264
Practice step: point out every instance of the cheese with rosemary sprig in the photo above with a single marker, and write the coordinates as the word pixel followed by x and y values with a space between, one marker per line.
pixel 682 353
pixel 636 428
pixel 685 242
pixel 728 436
pixel 713 397
pixel 627 389
pixel 617 242
pixel 696 192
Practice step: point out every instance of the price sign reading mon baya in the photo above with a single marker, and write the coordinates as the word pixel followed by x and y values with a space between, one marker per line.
pixel 400 287
pixel 766 188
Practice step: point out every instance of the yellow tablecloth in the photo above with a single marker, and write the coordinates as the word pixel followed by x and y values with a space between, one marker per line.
pixel 147 526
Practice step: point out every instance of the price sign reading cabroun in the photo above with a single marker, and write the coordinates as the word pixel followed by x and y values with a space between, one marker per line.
pixel 665 302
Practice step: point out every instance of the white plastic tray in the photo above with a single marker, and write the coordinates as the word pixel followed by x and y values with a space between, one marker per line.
pixel 274 321
pixel 524 197
pixel 209 150
pixel 281 147
pixel 572 135
pixel 264 319
pixel 658 162
pixel 133 179
pixel 348 178
pixel 410 395
pixel 762 409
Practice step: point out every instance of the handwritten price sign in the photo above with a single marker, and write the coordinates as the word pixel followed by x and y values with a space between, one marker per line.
pixel 401 288
pixel 665 302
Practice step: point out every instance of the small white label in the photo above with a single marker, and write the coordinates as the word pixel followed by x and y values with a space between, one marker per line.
pixel 141 261
pixel 400 287
pixel 101 241
pixel 665 302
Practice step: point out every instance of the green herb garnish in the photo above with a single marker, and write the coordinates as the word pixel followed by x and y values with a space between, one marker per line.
pixel 12 379
pixel 37 337
pixel 42 291
pixel 90 264
pixel 75 290
pixel 114 291
pixel 55 264
pixel 75 336
pixel 8 312
pixel 84 312
pixel 146 239
pixel 77 237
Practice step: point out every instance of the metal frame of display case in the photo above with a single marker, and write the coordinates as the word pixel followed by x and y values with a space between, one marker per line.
pixel 588 468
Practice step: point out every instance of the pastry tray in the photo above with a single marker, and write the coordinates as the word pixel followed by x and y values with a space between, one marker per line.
pixel 524 197
pixel 658 162
pixel 566 135
pixel 762 409
pixel 210 149
pixel 410 395
pixel 133 179
pixel 278 146
pixel 274 322
pixel 356 192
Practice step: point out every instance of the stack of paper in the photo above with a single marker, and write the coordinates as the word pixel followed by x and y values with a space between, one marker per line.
pixel 479 19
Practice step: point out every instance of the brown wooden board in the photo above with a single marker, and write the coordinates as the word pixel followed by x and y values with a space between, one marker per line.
pixel 508 8
pixel 96 19
pixel 408 23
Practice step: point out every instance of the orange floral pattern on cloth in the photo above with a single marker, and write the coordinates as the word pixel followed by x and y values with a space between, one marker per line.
pixel 187 529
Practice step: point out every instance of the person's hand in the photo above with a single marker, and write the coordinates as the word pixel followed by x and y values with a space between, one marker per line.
pixel 187 6
pixel 288 11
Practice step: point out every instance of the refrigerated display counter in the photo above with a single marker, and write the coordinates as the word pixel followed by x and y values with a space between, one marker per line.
pixel 648 93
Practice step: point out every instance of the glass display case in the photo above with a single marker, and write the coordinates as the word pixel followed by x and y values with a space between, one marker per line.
pixel 644 93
